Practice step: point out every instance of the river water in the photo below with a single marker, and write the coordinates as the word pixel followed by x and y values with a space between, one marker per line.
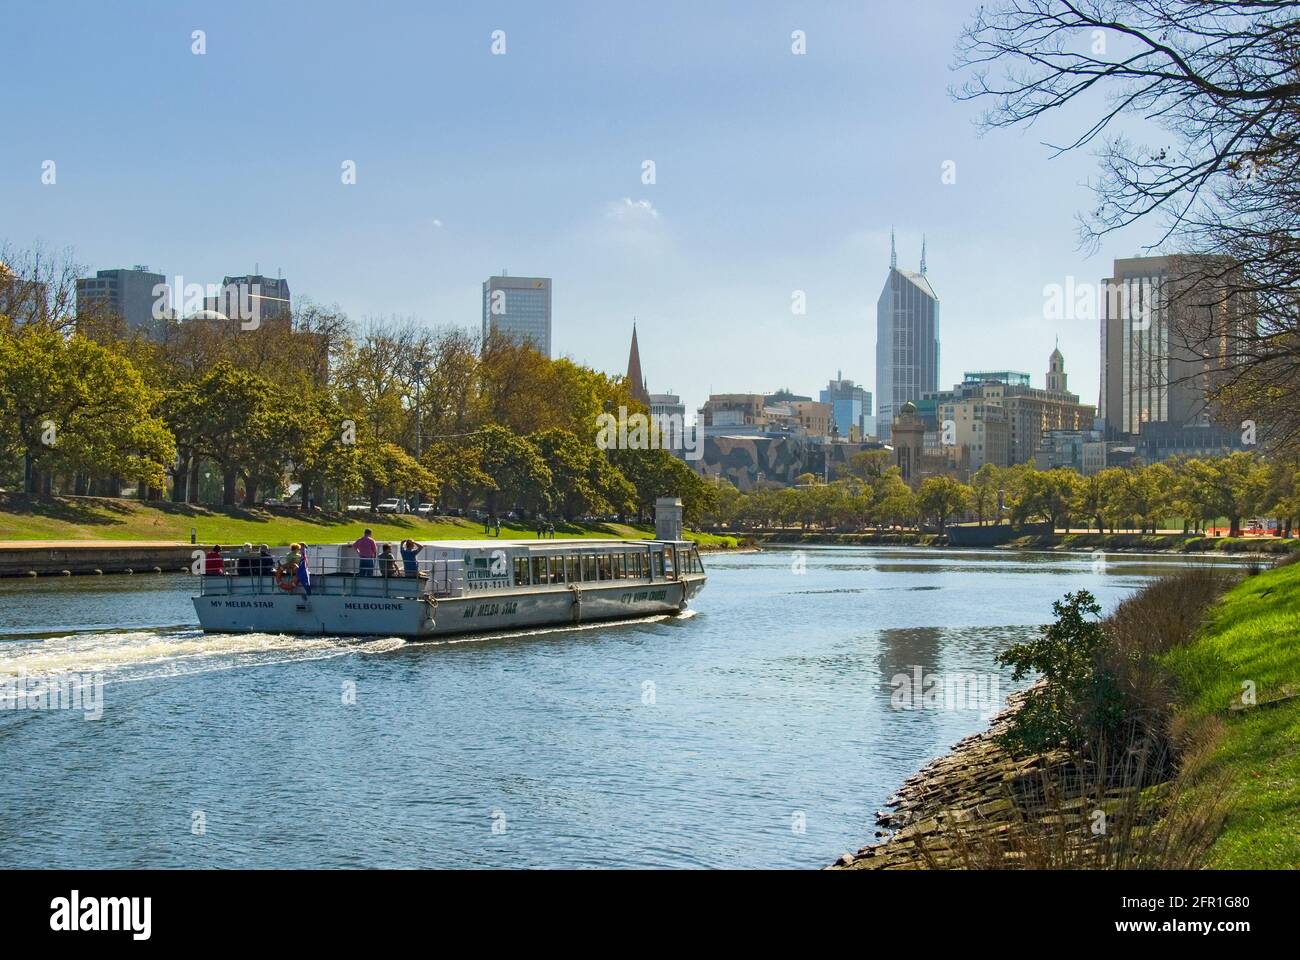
pixel 760 730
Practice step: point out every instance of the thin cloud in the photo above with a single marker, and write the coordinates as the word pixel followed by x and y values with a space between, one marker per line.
pixel 628 210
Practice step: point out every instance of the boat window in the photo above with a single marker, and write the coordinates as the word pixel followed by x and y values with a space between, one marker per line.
pixel 696 562
pixel 539 570
pixel 669 572
pixel 574 571
pixel 606 567
pixel 657 564
pixel 620 571
pixel 557 569
pixel 521 571
pixel 589 567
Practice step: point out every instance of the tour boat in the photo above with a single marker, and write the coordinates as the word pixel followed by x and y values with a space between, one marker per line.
pixel 460 586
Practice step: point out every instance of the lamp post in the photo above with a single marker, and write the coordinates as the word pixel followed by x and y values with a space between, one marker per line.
pixel 419 372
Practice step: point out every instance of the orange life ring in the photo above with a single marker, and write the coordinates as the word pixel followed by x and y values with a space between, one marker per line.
pixel 285 580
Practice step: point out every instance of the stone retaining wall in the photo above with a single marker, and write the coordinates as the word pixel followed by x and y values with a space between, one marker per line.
pixel 57 560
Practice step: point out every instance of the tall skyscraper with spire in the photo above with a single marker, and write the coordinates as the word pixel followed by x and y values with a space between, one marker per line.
pixel 635 379
pixel 907 340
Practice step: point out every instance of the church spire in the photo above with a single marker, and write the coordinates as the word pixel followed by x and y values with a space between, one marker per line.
pixel 893 252
pixel 635 379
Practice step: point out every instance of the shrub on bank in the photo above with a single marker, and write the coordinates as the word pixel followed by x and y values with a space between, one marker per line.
pixel 1104 684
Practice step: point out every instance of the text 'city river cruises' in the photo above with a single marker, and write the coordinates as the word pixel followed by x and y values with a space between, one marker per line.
pixel 454 586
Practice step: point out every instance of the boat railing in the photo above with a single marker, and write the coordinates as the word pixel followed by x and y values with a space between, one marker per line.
pixel 254 574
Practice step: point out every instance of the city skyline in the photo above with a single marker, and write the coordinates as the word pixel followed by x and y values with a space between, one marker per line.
pixel 739 217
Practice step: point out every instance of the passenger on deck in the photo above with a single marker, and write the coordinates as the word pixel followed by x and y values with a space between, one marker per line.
pixel 410 551
pixel 293 559
pixel 213 563
pixel 304 575
pixel 388 563
pixel 244 564
pixel 365 548
pixel 265 562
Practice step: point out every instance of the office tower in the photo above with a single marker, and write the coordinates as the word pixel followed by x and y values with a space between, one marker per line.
pixel 907 340
pixel 667 405
pixel 253 299
pixel 519 307
pixel 1164 336
pixel 129 294
pixel 851 408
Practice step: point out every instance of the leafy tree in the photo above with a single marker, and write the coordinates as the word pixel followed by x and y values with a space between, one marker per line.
pixel 231 408
pixel 1063 654
pixel 941 498
pixel 73 405
pixel 519 476
pixel 984 492
pixel 385 469
pixel 570 463
pixel 459 464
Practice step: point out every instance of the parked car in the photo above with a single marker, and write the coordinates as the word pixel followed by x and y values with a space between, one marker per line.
pixel 426 510
pixel 394 505
pixel 359 506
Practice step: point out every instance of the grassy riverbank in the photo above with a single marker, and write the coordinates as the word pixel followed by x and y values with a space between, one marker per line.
pixel 1217 776
pixel 1156 542
pixel 1253 635
pixel 105 519
pixel 1107 542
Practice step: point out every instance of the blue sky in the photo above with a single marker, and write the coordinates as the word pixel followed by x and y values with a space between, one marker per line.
pixel 775 172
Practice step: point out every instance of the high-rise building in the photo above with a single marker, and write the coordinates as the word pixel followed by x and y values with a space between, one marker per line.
pixel 907 340
pixel 129 294
pixel 519 307
pixel 850 408
pixel 1157 322
pixel 667 405
pixel 253 299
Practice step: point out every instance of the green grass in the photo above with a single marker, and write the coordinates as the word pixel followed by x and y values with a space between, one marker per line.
pixel 1187 543
pixel 87 518
pixel 1254 635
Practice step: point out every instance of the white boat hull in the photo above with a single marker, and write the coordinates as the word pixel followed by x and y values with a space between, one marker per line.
pixel 428 618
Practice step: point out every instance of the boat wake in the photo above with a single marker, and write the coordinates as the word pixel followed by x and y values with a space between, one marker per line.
pixel 141 655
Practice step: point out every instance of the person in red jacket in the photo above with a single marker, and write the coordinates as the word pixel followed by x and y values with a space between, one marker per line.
pixel 213 563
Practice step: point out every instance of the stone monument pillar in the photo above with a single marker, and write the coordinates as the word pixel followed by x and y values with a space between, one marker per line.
pixel 668 518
